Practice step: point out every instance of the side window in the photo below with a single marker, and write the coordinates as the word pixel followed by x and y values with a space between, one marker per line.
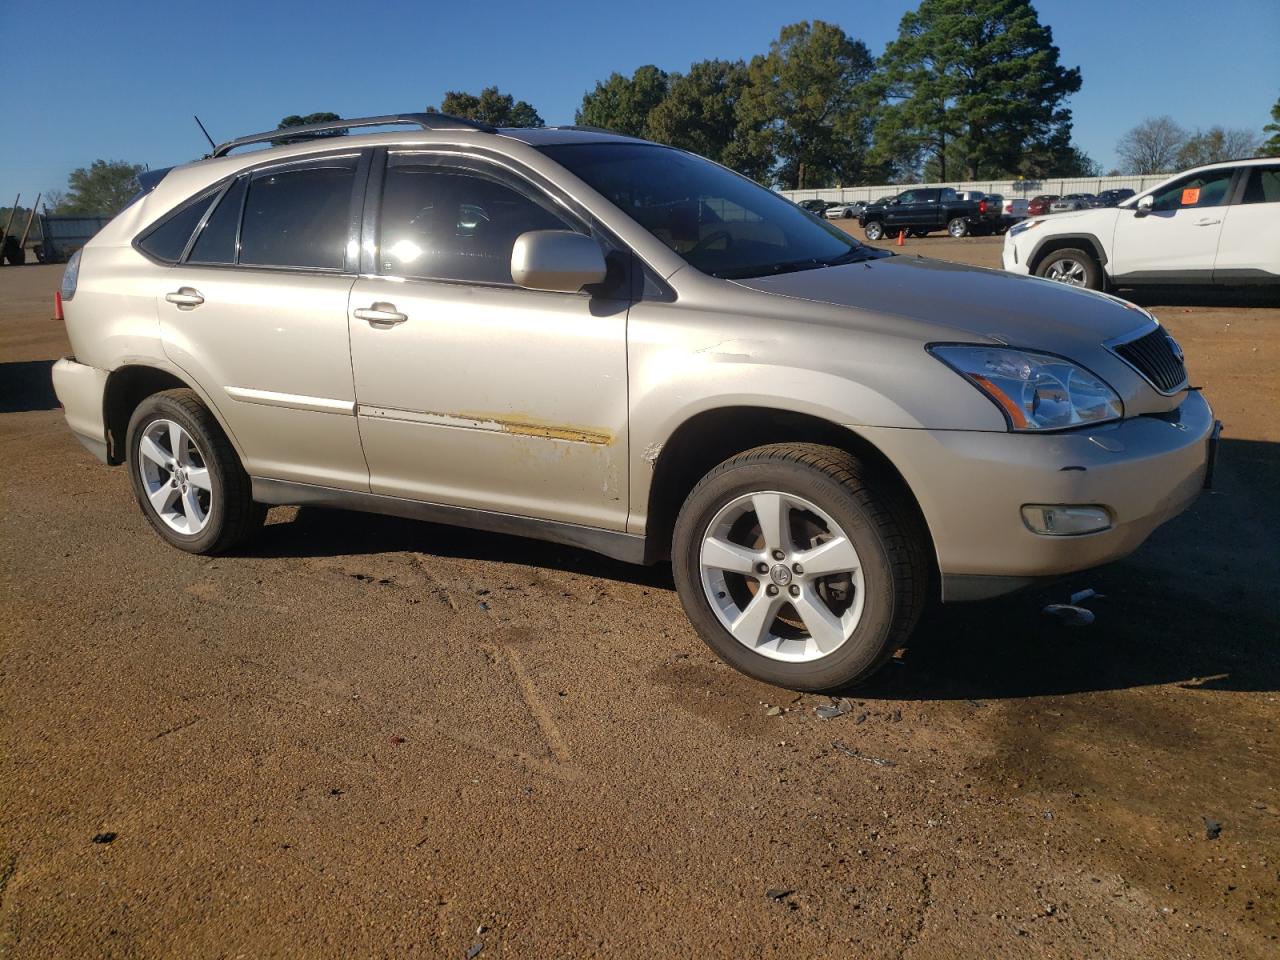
pixel 216 242
pixel 907 197
pixel 168 240
pixel 1208 189
pixel 299 216
pixel 1263 185
pixel 448 223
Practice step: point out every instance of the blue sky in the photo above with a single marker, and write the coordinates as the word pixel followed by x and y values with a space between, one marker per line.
pixel 121 80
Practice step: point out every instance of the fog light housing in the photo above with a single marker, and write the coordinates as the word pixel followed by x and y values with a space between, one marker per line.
pixel 1061 520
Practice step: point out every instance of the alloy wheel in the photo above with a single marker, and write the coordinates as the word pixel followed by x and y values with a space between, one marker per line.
pixel 781 576
pixel 175 477
pixel 1069 271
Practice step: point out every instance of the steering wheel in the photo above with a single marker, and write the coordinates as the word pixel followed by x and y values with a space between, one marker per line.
pixel 711 238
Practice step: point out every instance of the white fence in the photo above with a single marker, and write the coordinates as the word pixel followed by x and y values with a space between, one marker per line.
pixel 1006 188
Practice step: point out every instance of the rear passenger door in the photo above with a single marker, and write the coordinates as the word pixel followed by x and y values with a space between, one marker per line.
pixel 473 391
pixel 255 311
pixel 1249 248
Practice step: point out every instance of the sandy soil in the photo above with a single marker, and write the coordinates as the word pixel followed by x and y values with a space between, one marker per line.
pixel 370 737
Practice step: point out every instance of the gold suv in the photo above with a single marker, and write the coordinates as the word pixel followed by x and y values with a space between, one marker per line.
pixel 572 335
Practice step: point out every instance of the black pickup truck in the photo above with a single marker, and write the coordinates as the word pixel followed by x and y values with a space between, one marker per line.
pixel 926 209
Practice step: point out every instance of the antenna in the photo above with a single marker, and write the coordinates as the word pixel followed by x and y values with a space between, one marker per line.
pixel 212 145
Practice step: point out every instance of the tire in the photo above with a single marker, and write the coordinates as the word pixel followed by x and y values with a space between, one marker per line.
pixel 874 230
pixel 869 612
pixel 1071 266
pixel 848 214
pixel 958 228
pixel 208 504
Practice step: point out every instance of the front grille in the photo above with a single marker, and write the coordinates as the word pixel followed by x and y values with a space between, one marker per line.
pixel 1157 358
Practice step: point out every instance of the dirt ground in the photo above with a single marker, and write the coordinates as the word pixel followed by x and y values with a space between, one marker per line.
pixel 371 737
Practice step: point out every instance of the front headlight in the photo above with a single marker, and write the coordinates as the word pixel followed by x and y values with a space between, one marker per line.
pixel 1022 226
pixel 1036 391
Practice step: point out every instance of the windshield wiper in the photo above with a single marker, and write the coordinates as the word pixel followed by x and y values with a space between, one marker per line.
pixel 852 255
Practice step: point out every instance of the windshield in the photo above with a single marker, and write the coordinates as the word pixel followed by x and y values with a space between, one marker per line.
pixel 719 222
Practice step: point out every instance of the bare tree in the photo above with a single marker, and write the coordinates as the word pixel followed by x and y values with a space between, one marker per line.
pixel 1217 144
pixel 1152 146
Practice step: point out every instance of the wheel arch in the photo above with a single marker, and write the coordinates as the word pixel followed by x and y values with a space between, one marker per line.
pixel 130 384
pixel 1056 242
pixel 710 437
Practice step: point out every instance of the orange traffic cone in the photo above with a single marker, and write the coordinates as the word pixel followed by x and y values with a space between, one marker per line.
pixel 902 238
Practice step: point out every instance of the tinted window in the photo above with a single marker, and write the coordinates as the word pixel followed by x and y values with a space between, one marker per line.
pixel 447 223
pixel 1208 189
pixel 685 202
pixel 1263 186
pixel 216 242
pixel 299 217
pixel 908 196
pixel 167 241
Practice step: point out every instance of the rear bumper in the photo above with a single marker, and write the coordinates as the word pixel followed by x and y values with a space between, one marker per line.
pixel 972 486
pixel 80 389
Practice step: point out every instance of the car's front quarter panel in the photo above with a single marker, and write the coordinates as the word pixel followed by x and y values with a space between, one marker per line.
pixel 684 361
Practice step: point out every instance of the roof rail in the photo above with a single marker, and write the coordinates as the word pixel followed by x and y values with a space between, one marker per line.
pixel 425 121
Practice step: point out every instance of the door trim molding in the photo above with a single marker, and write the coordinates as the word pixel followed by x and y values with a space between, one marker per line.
pixel 517 426
pixel 627 547
pixel 295 401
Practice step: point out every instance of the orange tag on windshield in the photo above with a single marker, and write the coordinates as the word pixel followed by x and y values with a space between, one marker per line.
pixel 1190 195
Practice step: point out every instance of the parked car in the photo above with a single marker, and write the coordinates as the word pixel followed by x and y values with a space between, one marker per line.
pixel 1217 224
pixel 845 211
pixel 814 206
pixel 624 347
pixel 925 209
pixel 1112 198
pixel 1072 201
pixel 1039 205
pixel 1012 210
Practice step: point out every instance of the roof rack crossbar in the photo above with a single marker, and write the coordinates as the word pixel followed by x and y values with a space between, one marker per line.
pixel 425 121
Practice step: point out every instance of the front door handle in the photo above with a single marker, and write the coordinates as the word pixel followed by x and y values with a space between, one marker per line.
pixel 1207 223
pixel 381 315
pixel 185 298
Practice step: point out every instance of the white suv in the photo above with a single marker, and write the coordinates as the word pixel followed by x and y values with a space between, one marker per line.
pixel 1217 224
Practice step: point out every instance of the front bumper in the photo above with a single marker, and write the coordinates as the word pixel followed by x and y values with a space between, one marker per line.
pixel 80 389
pixel 972 486
pixel 1010 256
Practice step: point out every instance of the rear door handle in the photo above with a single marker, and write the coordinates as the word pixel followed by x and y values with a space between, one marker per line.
pixel 381 315
pixel 185 298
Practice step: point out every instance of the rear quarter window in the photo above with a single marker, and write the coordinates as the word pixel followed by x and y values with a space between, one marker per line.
pixel 169 237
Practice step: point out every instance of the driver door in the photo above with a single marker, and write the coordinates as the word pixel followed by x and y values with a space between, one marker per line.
pixel 1178 240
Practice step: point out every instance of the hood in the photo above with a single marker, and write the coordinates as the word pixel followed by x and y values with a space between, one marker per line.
pixel 973 301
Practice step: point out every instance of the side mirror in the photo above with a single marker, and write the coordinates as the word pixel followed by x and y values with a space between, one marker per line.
pixel 1144 206
pixel 558 260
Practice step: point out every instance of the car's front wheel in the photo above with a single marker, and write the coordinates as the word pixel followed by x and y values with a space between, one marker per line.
pixel 799 566
pixel 1071 266
pixel 874 230
pixel 186 475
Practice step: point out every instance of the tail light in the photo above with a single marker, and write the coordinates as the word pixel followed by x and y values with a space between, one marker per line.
pixel 57 306
pixel 982 206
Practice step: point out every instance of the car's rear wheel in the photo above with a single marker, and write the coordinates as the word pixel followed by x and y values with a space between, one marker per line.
pixel 1071 266
pixel 186 475
pixel 798 566
pixel 874 230
pixel 958 228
